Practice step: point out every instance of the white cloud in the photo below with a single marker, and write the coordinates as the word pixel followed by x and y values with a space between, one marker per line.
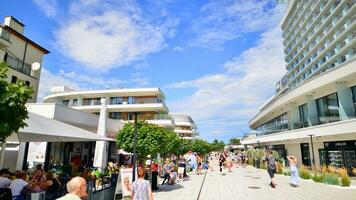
pixel 84 82
pixel 224 101
pixel 104 36
pixel 49 80
pixel 226 20
pixel 49 7
pixel 178 48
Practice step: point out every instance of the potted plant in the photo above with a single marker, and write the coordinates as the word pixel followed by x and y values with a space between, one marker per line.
pixel 259 157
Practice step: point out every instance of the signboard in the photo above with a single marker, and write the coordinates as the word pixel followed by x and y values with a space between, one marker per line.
pixel 36 153
pixel 339 144
pixel 126 181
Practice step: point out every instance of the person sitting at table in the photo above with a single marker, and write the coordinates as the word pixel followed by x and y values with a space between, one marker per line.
pixel 37 183
pixel 167 169
pixel 18 186
pixel 52 186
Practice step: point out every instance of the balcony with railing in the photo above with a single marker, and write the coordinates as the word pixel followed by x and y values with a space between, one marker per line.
pixel 4 34
pixel 18 65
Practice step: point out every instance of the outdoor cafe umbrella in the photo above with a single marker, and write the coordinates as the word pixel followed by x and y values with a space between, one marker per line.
pixel 42 129
pixel 101 151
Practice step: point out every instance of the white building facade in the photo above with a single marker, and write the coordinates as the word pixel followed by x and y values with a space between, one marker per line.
pixel 185 126
pixel 312 114
pixel 20 52
pixel 122 104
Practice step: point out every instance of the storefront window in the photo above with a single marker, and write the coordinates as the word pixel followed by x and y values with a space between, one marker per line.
pixel 328 109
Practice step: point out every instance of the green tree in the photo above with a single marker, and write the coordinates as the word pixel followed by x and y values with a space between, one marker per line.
pixel 201 146
pixel 151 139
pixel 235 141
pixel 217 145
pixel 13 98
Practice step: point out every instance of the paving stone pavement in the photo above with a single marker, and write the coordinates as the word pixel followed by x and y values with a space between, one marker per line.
pixel 250 184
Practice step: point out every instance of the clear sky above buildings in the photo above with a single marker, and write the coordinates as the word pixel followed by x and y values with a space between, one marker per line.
pixel 217 61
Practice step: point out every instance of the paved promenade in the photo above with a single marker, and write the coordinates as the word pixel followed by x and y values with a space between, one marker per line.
pixel 250 184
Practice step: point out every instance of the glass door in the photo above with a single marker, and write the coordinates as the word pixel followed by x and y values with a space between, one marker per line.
pixel 305 154
pixel 336 158
pixel 350 159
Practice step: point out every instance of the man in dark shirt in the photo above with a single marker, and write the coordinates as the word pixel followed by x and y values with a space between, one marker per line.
pixel 271 167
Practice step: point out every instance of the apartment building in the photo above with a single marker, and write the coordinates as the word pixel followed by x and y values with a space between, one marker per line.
pixel 20 53
pixel 122 103
pixel 185 126
pixel 312 114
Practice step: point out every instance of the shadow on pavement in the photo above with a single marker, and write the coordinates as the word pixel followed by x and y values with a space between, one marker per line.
pixel 167 188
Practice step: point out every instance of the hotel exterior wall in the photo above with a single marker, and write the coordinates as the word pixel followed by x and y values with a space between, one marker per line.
pixel 318 86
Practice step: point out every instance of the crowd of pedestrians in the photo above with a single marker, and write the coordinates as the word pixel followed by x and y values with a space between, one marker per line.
pixel 226 160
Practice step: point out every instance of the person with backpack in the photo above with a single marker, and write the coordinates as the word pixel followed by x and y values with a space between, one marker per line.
pixel 271 167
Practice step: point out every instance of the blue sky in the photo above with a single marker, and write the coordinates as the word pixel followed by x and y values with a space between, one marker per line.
pixel 217 61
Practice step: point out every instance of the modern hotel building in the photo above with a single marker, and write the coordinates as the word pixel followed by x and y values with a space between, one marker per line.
pixel 312 114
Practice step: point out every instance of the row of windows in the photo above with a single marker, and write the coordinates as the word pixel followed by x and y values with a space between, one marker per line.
pixel 324 64
pixel 311 21
pixel 278 124
pixel 327 108
pixel 327 112
pixel 113 101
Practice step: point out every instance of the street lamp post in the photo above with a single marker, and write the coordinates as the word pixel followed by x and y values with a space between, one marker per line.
pixel 312 147
pixel 134 149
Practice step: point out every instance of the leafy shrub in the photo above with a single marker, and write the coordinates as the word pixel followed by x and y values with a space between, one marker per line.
pixel 345 179
pixel 331 178
pixel 264 165
pixel 304 172
pixel 286 172
pixel 319 178
pixel 279 168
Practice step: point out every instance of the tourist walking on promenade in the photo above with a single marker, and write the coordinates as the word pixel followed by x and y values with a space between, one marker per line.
pixel 229 163
pixel 294 176
pixel 221 161
pixel 141 188
pixel 271 167
pixel 192 161
pixel 199 166
pixel 181 168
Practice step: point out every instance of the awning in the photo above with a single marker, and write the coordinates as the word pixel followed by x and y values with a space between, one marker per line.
pixel 42 129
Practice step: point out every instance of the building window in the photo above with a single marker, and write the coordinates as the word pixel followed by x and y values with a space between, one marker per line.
pixel 65 102
pixel 115 115
pixel 278 124
pixel 328 109
pixel 27 83
pixel 116 100
pixel 13 79
pixel 91 101
pixel 354 96
pixel 131 100
pixel 303 116
pixel 75 102
pixel 130 116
